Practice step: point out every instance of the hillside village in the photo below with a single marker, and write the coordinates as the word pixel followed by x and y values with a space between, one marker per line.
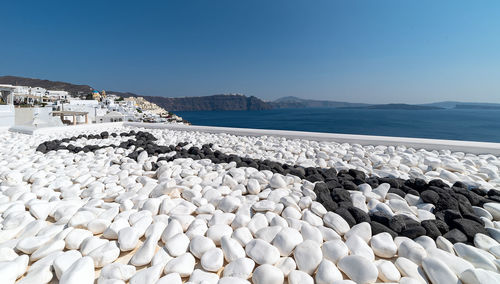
pixel 38 106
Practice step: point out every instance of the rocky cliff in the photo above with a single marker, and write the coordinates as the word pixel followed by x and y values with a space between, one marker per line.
pixel 215 102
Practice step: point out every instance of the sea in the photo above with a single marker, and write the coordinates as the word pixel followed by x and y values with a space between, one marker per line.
pixel 455 124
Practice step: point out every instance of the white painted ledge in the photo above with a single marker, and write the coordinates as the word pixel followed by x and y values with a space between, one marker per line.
pixel 417 143
pixel 27 129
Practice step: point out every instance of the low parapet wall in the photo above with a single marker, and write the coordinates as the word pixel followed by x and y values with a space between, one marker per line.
pixel 28 129
pixel 417 143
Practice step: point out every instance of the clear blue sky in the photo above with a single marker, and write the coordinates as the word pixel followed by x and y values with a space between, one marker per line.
pixel 358 51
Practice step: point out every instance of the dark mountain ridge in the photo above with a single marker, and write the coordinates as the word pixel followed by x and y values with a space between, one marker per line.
pixel 210 103
pixel 73 89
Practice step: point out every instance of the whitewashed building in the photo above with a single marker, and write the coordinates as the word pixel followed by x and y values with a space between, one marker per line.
pixel 93 108
pixel 37 91
pixel 57 95
pixel 7 112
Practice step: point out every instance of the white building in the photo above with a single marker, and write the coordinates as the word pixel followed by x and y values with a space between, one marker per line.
pixel 57 95
pixel 21 90
pixel 38 91
pixel 113 116
pixel 7 113
pixel 93 108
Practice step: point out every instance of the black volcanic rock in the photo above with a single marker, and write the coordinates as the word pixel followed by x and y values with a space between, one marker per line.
pixel 455 236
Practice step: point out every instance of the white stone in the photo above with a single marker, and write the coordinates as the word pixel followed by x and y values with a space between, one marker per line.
pixel 146 252
pixel 253 186
pixel 328 234
pixel 362 230
pixel 456 264
pixel 216 232
pixel 494 209
pixel 411 250
pixel 309 232
pixel 148 275
pixel 184 265
pixel 264 205
pixel 80 272
pixel 308 256
pixel 438 271
pixel 268 233
pixel 327 272
pixel 267 274
pixel 286 241
pixel 7 254
pixel 257 222
pixel 426 242
pixel 47 249
pixel 286 265
pixel 475 256
pixel 358 269
pixel 212 259
pixel 112 231
pixel 382 190
pixel 242 235
pixel 229 204
pixel 262 252
pixel 232 249
pixel 172 278
pixel 299 277
pixel 128 238
pixel 479 275
pixel 334 250
pixel 118 271
pixel 409 269
pixel 336 222
pixel 383 245
pixel 105 254
pixel 444 244
pixel 484 242
pixel 387 271
pixel 98 226
pixel 318 208
pixel 161 257
pixel 199 245
pixel 357 246
pixel 177 244
pixel 173 228
pixel 200 276
pixel 241 268
pixel 277 181
pixel 75 238
pixel 232 280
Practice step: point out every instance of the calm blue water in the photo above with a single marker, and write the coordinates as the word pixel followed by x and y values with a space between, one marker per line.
pixel 472 125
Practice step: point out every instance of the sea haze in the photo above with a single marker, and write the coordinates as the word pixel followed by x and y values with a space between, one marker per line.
pixel 455 124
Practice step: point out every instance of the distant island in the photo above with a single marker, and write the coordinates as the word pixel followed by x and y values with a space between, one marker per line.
pixel 239 102
pixel 471 106
pixel 294 102
pixel 396 106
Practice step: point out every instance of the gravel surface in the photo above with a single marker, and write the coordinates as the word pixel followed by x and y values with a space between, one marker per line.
pixel 133 205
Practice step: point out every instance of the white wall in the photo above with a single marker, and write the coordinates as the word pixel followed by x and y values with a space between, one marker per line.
pixel 25 115
pixel 7 115
pixel 84 102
